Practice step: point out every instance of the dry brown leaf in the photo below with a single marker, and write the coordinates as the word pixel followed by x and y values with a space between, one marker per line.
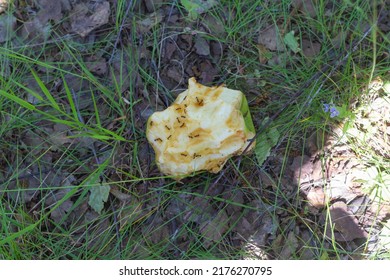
pixel 213 229
pixel 290 245
pixel 305 6
pixel 202 46
pixel 59 213
pixel 302 169
pixel 316 197
pixel 310 49
pixel 345 224
pixel 84 19
pixel 149 22
pixel 97 66
pixel 271 39
pixel 49 10
pixel 340 186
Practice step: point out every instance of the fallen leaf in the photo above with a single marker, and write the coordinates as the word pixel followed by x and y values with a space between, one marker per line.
pixel 202 46
pixel 340 186
pixel 208 72
pixel 271 39
pixel 197 7
pixel 233 198
pixel 58 135
pixel 316 197
pixel 97 66
pixel 346 226
pixel 302 169
pixel 264 54
pixel 291 42
pixel 61 210
pixel 306 6
pixel 7 27
pixel 98 195
pixel 157 231
pixel 215 25
pixel 290 245
pixel 306 249
pixel 35 30
pixel 310 49
pixel 85 18
pixel 146 24
pixel 264 142
pixel 260 233
pixel 131 212
pixel 279 59
pixel 213 230
pixel 49 10
pixel 168 50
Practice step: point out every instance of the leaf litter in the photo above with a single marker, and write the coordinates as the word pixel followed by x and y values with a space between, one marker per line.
pixel 335 187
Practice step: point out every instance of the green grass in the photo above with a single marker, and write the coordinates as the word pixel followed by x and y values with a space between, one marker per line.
pixel 102 123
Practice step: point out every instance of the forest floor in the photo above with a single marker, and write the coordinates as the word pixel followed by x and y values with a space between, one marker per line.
pixel 79 79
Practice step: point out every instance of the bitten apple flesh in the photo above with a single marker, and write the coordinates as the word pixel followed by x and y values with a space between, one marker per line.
pixel 201 130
